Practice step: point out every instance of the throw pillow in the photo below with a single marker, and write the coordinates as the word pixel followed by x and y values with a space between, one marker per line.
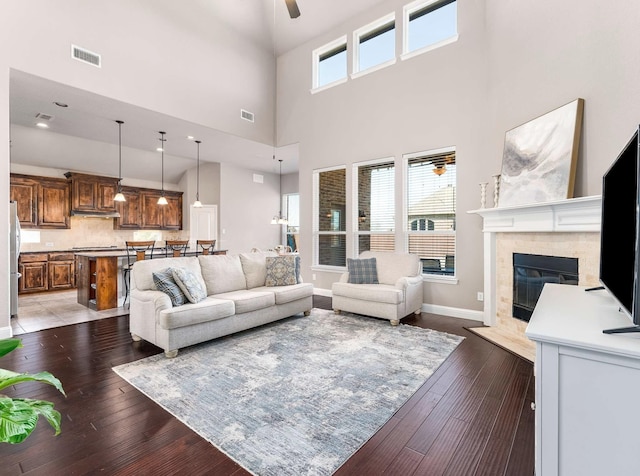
pixel 281 271
pixel 164 282
pixel 362 271
pixel 189 284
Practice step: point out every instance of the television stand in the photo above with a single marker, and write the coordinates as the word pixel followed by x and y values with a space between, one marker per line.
pixel 622 330
pixel 587 385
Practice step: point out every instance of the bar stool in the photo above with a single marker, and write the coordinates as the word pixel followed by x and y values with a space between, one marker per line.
pixel 176 248
pixel 136 250
pixel 205 247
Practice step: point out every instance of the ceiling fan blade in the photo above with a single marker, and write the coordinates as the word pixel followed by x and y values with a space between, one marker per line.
pixel 292 6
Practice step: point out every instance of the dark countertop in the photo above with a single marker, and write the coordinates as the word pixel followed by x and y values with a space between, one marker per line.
pixel 157 253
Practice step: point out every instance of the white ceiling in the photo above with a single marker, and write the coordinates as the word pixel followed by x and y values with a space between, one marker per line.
pixel 90 116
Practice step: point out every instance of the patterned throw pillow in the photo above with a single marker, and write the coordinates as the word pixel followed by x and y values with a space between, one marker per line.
pixel 362 271
pixel 189 284
pixel 281 270
pixel 164 282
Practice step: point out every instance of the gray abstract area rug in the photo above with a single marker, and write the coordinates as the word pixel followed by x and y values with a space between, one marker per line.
pixel 296 397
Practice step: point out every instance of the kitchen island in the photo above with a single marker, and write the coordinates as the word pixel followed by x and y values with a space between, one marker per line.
pixel 100 276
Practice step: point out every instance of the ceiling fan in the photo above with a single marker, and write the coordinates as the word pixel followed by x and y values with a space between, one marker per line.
pixel 292 6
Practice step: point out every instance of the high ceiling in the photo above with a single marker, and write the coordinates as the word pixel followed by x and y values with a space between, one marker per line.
pixel 91 113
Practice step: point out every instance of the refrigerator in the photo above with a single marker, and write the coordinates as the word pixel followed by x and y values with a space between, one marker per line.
pixel 14 254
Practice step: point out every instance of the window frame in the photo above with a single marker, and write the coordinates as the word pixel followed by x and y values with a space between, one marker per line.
pixel 406 231
pixel 316 56
pixel 414 7
pixel 286 213
pixel 371 29
pixel 355 209
pixel 316 233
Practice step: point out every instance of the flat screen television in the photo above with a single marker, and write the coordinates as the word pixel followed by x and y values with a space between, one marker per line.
pixel 619 238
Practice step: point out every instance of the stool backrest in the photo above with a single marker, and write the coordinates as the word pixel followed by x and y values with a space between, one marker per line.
pixel 137 250
pixel 205 246
pixel 176 248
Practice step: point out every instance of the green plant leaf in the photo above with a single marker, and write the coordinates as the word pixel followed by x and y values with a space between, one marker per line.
pixel 17 420
pixel 7 345
pixel 8 378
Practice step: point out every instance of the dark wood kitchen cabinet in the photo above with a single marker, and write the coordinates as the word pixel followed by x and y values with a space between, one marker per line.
pixel 61 270
pixel 130 210
pixel 98 282
pixel 92 193
pixel 33 268
pixel 142 212
pixel 43 202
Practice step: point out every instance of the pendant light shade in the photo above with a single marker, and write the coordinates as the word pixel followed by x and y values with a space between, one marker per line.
pixel 279 219
pixel 197 203
pixel 162 200
pixel 119 196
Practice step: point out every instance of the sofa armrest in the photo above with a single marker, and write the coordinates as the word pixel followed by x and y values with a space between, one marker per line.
pixel 406 281
pixel 344 278
pixel 157 299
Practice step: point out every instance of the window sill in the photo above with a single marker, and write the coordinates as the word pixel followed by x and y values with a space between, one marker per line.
pixel 373 68
pixel 431 278
pixel 328 86
pixel 329 269
pixel 425 49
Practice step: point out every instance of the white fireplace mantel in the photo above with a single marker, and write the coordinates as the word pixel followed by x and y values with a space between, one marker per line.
pixel 571 215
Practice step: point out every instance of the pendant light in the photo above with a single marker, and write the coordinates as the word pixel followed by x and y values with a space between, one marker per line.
pixel 197 203
pixel 162 200
pixel 279 219
pixel 119 196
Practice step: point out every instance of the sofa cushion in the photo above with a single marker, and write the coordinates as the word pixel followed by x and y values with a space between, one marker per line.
pixel 285 294
pixel 383 293
pixel 392 266
pixel 362 271
pixel 189 284
pixel 281 271
pixel 189 314
pixel 142 272
pixel 164 282
pixel 255 268
pixel 247 301
pixel 222 273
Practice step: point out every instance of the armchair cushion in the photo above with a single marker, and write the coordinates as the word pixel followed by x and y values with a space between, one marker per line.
pixel 362 271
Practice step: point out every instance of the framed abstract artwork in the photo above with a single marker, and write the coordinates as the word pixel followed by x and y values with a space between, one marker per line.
pixel 540 156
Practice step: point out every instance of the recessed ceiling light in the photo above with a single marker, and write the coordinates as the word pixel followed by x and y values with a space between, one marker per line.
pixel 190 137
pixel 60 104
pixel 159 149
pixel 43 125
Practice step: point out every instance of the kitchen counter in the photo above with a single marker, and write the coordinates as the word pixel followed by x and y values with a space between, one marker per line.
pixel 157 253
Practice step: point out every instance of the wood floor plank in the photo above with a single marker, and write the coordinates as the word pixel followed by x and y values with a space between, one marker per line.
pixel 109 427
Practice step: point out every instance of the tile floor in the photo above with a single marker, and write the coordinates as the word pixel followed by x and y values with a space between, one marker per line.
pixel 54 309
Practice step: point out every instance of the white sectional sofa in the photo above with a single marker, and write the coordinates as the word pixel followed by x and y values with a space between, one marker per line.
pixel 397 294
pixel 237 299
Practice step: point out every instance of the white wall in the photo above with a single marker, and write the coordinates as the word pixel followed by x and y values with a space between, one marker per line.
pixel 513 61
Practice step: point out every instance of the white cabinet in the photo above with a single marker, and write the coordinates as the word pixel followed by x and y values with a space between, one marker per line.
pixel 587 385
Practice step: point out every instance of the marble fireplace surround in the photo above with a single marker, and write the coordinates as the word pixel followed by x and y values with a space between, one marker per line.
pixel 569 228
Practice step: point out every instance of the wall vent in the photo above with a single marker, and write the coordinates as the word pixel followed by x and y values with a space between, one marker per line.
pixel 246 115
pixel 85 56
pixel 44 117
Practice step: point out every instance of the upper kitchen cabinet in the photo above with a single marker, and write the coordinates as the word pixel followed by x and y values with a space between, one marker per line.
pixel 142 212
pixel 92 194
pixel 43 202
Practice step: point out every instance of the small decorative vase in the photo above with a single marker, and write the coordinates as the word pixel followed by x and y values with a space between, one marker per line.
pixel 496 190
pixel 483 194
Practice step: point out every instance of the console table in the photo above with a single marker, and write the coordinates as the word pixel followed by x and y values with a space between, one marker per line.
pixel 587 385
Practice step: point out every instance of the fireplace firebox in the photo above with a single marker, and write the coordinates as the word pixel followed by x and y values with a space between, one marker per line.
pixel 532 272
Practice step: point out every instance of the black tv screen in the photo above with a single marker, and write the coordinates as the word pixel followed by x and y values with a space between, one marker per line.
pixel 619 232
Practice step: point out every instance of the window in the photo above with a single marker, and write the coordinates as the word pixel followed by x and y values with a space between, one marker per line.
pixel 430 23
pixel 330 63
pixel 329 217
pixel 375 44
pixel 375 206
pixel 431 210
pixel 292 214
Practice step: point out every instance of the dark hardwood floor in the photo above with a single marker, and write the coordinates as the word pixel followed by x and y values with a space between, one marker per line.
pixel 473 416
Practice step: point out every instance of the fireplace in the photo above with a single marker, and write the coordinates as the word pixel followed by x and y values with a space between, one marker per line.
pixel 531 272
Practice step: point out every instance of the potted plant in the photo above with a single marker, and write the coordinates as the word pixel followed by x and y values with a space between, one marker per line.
pixel 19 416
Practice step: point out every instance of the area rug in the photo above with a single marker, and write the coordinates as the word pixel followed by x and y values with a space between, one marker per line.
pixel 296 397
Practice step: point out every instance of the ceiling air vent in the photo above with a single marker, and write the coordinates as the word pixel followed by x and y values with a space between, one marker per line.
pixel 44 117
pixel 85 56
pixel 246 115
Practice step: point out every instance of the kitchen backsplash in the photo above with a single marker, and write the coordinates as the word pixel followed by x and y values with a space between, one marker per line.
pixel 88 232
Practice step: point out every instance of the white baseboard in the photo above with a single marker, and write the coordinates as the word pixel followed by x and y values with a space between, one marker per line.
pixel 453 312
pixel 430 308
pixel 6 332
